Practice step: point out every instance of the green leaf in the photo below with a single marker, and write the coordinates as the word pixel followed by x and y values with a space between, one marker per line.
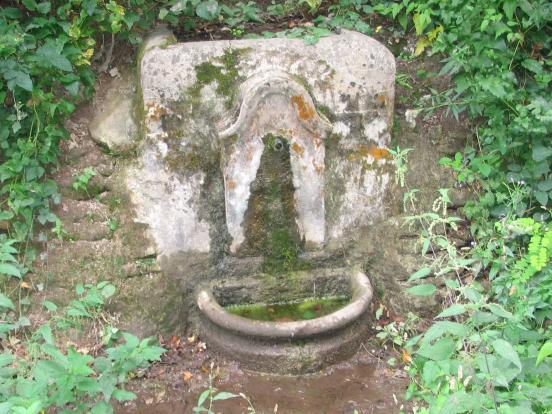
pixel 10 12
pixel 431 372
pixel 29 4
pixel 510 7
pixel 46 332
pixel 50 56
pixel 541 152
pixel 224 396
pixel 541 197
pixel 545 351
pixel 131 340
pixel 499 311
pixel 420 274
pixel 471 294
pixel 6 302
pixel 202 397
pixel 6 215
pixel 44 7
pixel 19 78
pixel 51 306
pixel 123 395
pixel 9 269
pixel 441 350
pixel 108 291
pixel 153 353
pixel 73 88
pixel 89 6
pixel 532 65
pixel 6 327
pixel 421 21
pixel 422 290
pixel 5 359
pixel 77 309
pixel 453 310
pixel 163 13
pixel 102 408
pixel 463 402
pixel 425 246
pixel 545 185
pixel 440 328
pixel 507 351
pixel 482 318
pixel 208 10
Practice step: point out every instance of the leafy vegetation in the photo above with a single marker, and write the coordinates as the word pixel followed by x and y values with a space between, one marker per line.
pixel 488 351
pixel 72 380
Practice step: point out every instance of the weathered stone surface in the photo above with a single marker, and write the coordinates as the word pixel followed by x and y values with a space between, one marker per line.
pixel 209 108
pixel 243 139
pixel 290 347
pixel 114 123
pixel 171 197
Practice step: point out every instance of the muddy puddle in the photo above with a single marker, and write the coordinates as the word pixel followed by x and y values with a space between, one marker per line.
pixel 365 387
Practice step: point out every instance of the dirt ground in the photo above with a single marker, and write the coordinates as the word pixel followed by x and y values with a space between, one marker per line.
pixel 365 384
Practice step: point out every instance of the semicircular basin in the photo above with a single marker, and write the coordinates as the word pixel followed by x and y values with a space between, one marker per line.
pixel 288 346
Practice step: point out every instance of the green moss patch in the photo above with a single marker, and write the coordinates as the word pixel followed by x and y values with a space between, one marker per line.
pixel 223 71
pixel 270 227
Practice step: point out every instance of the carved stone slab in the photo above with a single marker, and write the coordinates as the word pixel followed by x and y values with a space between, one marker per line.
pixel 208 108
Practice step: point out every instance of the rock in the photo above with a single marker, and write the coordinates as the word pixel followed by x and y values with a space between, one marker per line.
pixel 160 37
pixel 88 231
pixel 213 108
pixel 410 117
pixel 113 124
pixel 141 267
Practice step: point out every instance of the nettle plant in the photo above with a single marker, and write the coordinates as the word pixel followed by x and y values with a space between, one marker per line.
pixel 72 380
pixel 488 350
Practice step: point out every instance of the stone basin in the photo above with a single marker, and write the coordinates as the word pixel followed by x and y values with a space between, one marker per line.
pixel 290 347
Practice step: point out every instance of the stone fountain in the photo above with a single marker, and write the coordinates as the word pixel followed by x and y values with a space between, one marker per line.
pixel 259 158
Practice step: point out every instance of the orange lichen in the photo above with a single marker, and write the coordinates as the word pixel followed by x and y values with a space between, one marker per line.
pixel 364 150
pixel 319 168
pixel 231 184
pixel 378 153
pixel 297 148
pixel 381 99
pixel 304 110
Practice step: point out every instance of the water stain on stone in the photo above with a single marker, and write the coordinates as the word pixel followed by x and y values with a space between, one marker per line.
pixel 304 110
pixel 269 222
